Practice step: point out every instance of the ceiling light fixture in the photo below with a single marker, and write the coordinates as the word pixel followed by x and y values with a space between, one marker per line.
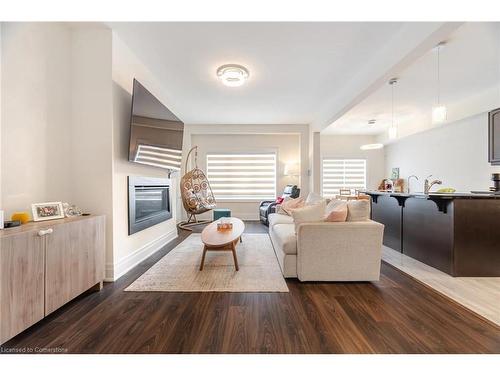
pixel 372 122
pixel 372 146
pixel 439 111
pixel 232 75
pixel 393 130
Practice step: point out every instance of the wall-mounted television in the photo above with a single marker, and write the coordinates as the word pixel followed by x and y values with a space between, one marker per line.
pixel 155 132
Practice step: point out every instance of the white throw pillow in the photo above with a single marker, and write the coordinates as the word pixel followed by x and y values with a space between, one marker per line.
pixel 313 198
pixel 358 210
pixel 309 214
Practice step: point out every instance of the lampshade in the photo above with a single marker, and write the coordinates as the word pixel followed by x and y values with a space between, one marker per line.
pixel 372 146
pixel 393 132
pixel 439 114
pixel 291 169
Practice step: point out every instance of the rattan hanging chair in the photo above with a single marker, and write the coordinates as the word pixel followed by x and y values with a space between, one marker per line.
pixel 196 193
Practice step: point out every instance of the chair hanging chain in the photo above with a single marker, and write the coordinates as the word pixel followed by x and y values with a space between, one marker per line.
pixel 195 148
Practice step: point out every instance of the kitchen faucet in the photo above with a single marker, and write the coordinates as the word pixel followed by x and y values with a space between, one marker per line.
pixel 412 176
pixel 428 185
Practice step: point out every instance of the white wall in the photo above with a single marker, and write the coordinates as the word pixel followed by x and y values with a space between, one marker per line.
pixel 91 130
pixel 348 147
pixel 66 93
pixel 287 147
pixel 456 153
pixel 130 250
pixel 315 162
pixel 253 138
pixel 56 117
pixel 1 28
pixel 36 111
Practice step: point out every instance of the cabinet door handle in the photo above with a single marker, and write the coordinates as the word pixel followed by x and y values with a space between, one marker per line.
pixel 44 232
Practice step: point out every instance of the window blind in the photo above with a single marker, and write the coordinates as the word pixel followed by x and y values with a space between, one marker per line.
pixel 342 173
pixel 242 176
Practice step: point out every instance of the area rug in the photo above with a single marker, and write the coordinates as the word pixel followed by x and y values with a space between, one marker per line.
pixel 178 271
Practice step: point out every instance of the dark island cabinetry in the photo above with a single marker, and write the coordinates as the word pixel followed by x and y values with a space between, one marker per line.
pixel 458 234
pixel 428 233
pixel 388 211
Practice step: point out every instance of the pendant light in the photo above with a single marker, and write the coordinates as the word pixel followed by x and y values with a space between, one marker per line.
pixel 372 146
pixel 439 110
pixel 393 130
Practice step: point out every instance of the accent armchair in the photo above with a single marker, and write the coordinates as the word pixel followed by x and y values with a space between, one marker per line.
pixel 269 207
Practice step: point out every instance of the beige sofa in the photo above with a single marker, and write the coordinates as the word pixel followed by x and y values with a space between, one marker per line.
pixel 325 251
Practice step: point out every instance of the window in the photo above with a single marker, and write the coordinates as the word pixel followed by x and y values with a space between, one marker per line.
pixel 343 173
pixel 242 176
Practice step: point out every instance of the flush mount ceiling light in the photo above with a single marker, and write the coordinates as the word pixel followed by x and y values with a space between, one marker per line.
pixel 439 110
pixel 372 146
pixel 372 122
pixel 232 75
pixel 393 130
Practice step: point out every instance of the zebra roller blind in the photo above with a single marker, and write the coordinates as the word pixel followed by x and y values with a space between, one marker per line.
pixel 342 173
pixel 242 176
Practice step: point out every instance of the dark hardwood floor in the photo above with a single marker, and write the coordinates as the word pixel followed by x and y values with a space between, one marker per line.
pixel 395 315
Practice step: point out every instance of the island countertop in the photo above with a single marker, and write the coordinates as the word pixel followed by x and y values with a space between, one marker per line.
pixel 434 194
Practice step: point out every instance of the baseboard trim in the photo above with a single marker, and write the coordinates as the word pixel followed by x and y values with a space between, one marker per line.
pixel 115 271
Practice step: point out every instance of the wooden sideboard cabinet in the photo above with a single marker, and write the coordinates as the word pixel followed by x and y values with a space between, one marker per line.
pixel 44 265
pixel 22 269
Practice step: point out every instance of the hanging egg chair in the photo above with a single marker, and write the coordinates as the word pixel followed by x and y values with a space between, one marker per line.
pixel 196 193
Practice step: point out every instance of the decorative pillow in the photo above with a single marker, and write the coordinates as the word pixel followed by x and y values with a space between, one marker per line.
pixel 336 210
pixel 358 210
pixel 280 200
pixel 288 205
pixel 309 214
pixel 313 198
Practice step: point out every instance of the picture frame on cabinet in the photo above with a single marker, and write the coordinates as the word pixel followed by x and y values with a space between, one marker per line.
pixel 47 211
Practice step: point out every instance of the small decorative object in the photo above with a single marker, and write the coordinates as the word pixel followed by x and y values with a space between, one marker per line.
pixel 12 224
pixel 23 217
pixel 72 210
pixel 47 211
pixel 399 185
pixel 446 190
pixel 495 177
pixel 388 185
pixel 395 174
pixel 224 224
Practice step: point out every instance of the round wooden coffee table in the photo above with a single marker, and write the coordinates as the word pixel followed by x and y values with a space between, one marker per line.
pixel 214 240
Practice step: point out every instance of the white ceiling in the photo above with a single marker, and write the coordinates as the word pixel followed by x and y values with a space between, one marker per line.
pixel 295 68
pixel 470 67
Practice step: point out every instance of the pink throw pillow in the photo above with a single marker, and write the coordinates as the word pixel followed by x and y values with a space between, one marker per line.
pixel 288 205
pixel 336 211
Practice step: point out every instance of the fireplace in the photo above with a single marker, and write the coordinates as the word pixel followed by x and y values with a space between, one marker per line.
pixel 148 202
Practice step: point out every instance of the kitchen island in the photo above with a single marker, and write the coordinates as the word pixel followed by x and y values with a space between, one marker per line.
pixel 457 233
